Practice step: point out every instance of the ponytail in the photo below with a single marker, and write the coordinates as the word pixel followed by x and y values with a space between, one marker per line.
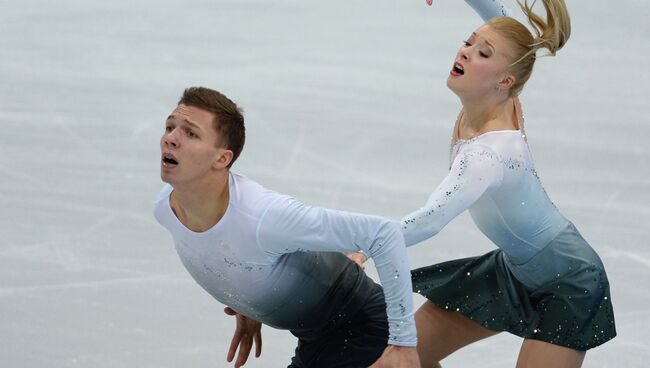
pixel 551 34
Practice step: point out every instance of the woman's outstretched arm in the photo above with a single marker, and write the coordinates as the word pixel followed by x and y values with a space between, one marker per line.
pixel 487 9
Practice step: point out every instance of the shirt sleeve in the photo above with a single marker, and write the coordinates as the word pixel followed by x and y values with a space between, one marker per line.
pixel 489 9
pixel 291 226
pixel 474 171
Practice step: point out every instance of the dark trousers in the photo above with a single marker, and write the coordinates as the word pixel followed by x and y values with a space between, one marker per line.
pixel 349 340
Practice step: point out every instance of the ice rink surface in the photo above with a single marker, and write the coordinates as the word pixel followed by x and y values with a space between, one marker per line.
pixel 346 107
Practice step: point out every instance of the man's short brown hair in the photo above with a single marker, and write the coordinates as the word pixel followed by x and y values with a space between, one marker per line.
pixel 229 120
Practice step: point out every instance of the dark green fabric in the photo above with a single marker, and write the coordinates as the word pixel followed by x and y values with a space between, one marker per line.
pixel 573 309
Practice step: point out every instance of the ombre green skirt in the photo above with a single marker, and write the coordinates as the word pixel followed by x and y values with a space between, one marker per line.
pixel 560 296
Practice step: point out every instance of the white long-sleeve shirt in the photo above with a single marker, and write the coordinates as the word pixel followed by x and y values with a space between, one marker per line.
pixel 264 257
pixel 493 176
pixel 489 9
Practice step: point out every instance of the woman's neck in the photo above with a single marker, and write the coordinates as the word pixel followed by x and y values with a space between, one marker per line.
pixel 485 116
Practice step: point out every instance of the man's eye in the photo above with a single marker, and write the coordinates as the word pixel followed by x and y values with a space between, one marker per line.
pixel 191 134
pixel 483 54
pixel 168 129
pixel 466 43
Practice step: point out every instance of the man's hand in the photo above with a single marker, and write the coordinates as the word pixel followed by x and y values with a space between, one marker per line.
pixel 358 258
pixel 247 331
pixel 398 357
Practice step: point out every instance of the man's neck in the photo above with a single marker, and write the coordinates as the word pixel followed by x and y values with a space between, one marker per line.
pixel 201 206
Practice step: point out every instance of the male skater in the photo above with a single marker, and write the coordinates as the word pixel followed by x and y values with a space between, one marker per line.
pixel 273 259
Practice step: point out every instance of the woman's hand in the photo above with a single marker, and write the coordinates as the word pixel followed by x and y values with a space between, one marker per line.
pixel 358 258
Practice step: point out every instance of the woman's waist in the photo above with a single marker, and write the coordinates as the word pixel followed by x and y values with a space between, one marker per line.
pixel 521 243
pixel 568 252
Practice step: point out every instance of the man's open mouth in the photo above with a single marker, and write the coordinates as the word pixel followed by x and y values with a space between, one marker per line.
pixel 169 160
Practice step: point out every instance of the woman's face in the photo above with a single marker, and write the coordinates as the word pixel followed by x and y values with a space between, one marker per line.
pixel 481 64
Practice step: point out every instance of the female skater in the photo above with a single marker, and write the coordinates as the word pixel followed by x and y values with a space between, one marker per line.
pixel 544 282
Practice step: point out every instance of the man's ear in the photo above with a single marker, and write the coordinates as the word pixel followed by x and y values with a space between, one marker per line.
pixel 507 82
pixel 224 159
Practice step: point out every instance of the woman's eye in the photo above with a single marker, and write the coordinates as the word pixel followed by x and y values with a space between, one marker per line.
pixel 168 129
pixel 191 134
pixel 483 54
pixel 466 43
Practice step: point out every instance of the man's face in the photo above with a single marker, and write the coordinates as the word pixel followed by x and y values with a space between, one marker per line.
pixel 189 146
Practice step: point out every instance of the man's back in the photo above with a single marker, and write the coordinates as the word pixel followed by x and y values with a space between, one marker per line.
pixel 286 291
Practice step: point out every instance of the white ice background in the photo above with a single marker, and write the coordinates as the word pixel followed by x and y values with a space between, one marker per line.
pixel 346 107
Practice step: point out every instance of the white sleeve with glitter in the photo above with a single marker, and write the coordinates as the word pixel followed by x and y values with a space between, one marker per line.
pixel 475 170
pixel 291 226
pixel 489 9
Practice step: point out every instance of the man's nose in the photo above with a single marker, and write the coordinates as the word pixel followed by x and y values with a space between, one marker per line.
pixel 171 139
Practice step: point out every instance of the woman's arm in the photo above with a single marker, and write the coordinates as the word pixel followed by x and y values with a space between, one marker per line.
pixel 487 9
pixel 474 171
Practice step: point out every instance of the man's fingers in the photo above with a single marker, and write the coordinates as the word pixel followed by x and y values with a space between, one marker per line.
pixel 244 351
pixel 236 337
pixel 258 344
pixel 233 346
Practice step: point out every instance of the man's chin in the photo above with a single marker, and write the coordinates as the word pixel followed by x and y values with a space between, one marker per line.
pixel 165 177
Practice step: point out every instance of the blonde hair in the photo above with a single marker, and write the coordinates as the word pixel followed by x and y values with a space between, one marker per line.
pixel 551 34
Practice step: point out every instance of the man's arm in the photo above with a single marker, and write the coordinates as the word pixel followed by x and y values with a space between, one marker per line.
pixel 289 226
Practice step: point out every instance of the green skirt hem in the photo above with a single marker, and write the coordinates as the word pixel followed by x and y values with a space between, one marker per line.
pixel 573 310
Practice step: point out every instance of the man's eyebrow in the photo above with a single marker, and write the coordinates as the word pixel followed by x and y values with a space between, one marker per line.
pixel 191 124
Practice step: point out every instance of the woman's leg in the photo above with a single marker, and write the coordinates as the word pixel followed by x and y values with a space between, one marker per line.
pixel 441 332
pixel 535 353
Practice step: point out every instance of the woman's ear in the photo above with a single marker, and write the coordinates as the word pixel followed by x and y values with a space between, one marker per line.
pixel 507 82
